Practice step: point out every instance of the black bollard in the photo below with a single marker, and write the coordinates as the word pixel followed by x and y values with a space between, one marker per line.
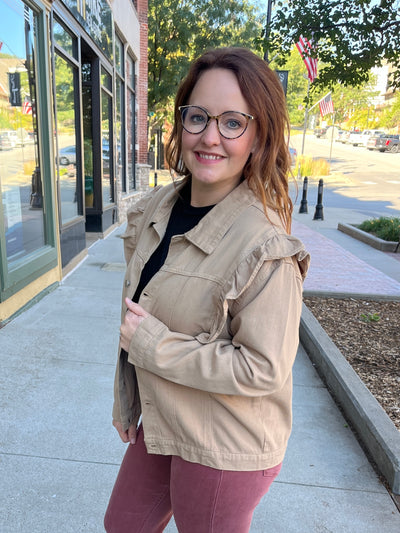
pixel 319 210
pixel 36 194
pixel 155 179
pixel 303 204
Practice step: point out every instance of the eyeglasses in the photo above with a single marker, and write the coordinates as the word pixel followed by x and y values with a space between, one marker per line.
pixel 231 124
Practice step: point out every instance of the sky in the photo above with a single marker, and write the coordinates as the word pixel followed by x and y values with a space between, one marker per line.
pixel 12 27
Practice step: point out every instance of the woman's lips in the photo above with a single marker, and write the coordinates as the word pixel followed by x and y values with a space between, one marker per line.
pixel 203 157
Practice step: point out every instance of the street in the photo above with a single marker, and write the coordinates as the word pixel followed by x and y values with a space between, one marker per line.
pixel 359 179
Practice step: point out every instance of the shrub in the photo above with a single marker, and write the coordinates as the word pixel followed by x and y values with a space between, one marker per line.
pixel 312 167
pixel 386 228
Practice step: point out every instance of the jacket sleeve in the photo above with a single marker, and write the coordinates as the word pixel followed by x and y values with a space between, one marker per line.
pixel 257 360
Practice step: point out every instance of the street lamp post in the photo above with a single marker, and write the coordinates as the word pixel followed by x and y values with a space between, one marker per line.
pixel 269 10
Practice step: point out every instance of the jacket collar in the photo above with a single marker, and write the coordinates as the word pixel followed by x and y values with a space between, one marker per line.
pixel 215 224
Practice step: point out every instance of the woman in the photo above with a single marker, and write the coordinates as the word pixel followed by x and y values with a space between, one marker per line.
pixel 211 310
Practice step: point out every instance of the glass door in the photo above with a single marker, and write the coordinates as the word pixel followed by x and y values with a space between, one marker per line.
pixel 107 139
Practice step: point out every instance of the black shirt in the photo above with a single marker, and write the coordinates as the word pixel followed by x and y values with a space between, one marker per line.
pixel 183 218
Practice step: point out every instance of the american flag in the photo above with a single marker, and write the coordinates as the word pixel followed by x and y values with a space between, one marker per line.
pixel 27 107
pixel 305 47
pixel 326 105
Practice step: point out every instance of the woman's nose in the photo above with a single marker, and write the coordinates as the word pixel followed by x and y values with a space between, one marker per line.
pixel 211 134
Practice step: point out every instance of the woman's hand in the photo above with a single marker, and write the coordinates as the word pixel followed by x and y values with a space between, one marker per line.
pixel 134 315
pixel 126 436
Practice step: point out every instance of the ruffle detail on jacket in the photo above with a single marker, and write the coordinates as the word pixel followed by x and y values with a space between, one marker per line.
pixel 278 246
pixel 134 217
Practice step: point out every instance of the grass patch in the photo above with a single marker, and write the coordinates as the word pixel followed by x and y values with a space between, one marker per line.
pixel 386 228
pixel 311 167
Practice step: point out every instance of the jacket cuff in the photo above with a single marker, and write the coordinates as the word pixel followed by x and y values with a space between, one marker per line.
pixel 144 341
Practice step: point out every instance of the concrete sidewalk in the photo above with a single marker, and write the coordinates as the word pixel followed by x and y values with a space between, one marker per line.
pixel 59 454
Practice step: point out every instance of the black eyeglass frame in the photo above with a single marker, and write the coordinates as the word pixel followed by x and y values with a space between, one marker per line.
pixel 248 117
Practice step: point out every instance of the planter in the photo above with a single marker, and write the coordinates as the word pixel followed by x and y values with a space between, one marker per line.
pixel 373 426
pixel 367 238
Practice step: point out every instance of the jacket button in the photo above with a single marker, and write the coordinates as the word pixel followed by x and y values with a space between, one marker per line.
pixel 127 283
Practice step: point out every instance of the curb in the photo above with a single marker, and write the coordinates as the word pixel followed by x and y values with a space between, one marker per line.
pixel 356 295
pixel 367 238
pixel 373 426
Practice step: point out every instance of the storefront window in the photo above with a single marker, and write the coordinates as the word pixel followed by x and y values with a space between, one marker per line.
pixel 21 189
pixel 106 79
pixel 64 39
pixel 120 113
pixel 106 154
pixel 87 116
pixel 130 122
pixel 66 159
pixel 66 82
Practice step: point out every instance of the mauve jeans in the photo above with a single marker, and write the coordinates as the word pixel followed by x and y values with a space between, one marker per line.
pixel 150 488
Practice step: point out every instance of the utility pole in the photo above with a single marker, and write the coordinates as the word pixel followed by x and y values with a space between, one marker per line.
pixel 269 10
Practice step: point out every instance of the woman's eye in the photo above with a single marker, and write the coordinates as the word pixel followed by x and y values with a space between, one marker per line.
pixel 197 119
pixel 233 124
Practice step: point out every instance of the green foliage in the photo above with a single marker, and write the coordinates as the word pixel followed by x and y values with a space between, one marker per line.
pixel 297 86
pixel 180 30
pixel 312 167
pixel 351 103
pixel 352 37
pixel 391 115
pixel 370 317
pixel 386 228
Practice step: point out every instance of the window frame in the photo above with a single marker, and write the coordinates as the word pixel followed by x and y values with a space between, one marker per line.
pixel 38 262
pixel 74 61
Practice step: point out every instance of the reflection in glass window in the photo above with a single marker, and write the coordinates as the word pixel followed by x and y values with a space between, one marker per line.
pixel 130 122
pixel 64 39
pixel 65 74
pixel 88 139
pixel 106 153
pixel 119 132
pixel 106 79
pixel 119 56
pixel 21 191
pixel 120 114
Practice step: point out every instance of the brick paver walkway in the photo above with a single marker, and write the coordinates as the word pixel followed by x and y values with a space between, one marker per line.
pixel 334 269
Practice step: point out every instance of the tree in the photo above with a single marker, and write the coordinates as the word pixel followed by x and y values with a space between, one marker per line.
pixel 350 37
pixel 180 30
pixel 349 102
pixel 391 116
pixel 297 86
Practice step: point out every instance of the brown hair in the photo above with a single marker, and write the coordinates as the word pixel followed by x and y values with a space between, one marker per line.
pixel 268 168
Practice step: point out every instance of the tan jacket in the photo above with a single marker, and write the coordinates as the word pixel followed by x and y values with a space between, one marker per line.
pixel 213 362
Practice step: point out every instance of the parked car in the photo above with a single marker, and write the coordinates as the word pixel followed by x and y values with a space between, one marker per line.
pixel 385 143
pixel 341 135
pixel 353 137
pixel 5 143
pixel 67 155
pixel 367 134
pixel 12 138
pixel 320 132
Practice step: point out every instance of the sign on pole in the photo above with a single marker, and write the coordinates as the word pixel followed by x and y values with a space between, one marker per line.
pixel 283 76
pixel 14 83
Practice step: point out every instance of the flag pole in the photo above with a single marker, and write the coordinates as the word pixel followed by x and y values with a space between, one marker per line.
pixel 333 130
pixel 305 119
pixel 304 129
